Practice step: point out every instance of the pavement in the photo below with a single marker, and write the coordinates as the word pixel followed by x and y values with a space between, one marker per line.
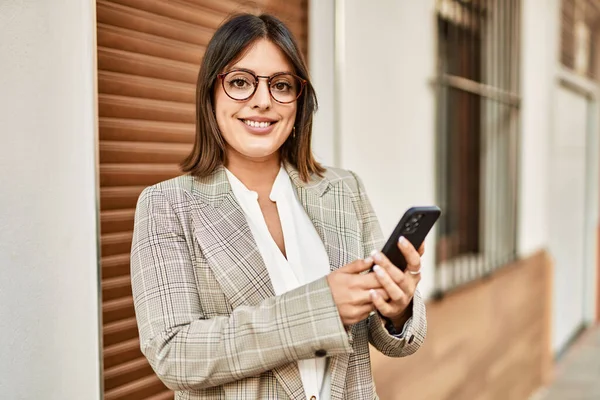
pixel 578 372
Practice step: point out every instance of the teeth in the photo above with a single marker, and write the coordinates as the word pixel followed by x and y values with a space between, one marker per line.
pixel 256 124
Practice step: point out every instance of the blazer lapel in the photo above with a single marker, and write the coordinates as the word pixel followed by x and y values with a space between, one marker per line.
pixel 333 216
pixel 227 243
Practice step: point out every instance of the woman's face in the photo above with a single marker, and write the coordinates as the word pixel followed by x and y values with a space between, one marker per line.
pixel 257 127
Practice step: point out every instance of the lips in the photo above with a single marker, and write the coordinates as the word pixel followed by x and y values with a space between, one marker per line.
pixel 259 125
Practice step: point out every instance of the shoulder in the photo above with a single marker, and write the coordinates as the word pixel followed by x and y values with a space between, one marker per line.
pixel 343 177
pixel 187 191
pixel 172 190
pixel 169 201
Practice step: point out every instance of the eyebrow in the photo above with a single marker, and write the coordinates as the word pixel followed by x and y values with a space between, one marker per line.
pixel 238 68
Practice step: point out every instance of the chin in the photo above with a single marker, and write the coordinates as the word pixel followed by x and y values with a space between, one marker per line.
pixel 258 148
pixel 261 153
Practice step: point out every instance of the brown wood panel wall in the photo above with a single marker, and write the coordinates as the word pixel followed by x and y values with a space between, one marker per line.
pixel 149 52
pixel 488 341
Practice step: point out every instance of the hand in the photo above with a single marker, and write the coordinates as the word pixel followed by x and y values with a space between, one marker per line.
pixel 399 286
pixel 351 290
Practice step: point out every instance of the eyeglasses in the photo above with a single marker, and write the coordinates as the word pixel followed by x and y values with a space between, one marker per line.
pixel 241 84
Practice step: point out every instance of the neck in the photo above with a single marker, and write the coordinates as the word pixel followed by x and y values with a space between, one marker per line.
pixel 255 174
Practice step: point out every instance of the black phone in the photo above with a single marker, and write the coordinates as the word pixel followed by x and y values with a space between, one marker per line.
pixel 414 225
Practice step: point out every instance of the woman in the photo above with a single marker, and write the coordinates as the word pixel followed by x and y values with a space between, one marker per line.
pixel 251 272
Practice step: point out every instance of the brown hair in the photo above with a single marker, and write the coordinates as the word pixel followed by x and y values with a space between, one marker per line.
pixel 228 43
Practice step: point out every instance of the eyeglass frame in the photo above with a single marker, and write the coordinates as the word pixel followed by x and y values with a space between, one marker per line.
pixel 222 76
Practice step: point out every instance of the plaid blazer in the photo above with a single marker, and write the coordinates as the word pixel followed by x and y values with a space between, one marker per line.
pixel 209 322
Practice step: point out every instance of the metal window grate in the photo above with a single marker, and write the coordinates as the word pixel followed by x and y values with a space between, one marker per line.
pixel 580 20
pixel 478 104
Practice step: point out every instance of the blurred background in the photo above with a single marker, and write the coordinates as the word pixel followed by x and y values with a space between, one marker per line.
pixel 487 108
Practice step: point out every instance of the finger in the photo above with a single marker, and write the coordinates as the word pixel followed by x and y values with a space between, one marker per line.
pixel 412 257
pixel 421 250
pixel 365 296
pixel 365 282
pixel 357 266
pixel 361 297
pixel 384 262
pixel 381 305
pixel 409 286
pixel 391 287
pixel 361 312
pixel 383 294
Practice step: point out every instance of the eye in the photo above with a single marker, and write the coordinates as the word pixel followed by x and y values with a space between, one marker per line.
pixel 281 85
pixel 239 83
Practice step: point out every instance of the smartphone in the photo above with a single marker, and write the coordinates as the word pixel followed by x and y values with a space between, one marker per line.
pixel 414 225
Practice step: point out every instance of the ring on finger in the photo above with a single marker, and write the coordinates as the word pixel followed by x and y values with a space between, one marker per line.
pixel 417 272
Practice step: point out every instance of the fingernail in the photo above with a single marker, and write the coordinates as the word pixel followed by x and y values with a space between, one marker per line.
pixel 402 241
pixel 378 270
pixel 377 257
pixel 373 293
pixel 369 260
pixel 373 252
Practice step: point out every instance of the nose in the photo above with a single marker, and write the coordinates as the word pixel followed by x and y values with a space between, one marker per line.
pixel 262 97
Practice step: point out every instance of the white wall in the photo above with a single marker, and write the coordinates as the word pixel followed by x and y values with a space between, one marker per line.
pixel 321 59
pixel 48 242
pixel 567 205
pixel 539 56
pixel 386 103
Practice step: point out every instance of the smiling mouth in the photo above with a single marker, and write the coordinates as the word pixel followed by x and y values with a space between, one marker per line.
pixel 256 124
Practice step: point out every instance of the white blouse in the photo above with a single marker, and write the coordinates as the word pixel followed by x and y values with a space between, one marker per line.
pixel 306 260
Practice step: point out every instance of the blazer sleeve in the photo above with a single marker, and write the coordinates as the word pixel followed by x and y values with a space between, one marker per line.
pixel 188 351
pixel 416 328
